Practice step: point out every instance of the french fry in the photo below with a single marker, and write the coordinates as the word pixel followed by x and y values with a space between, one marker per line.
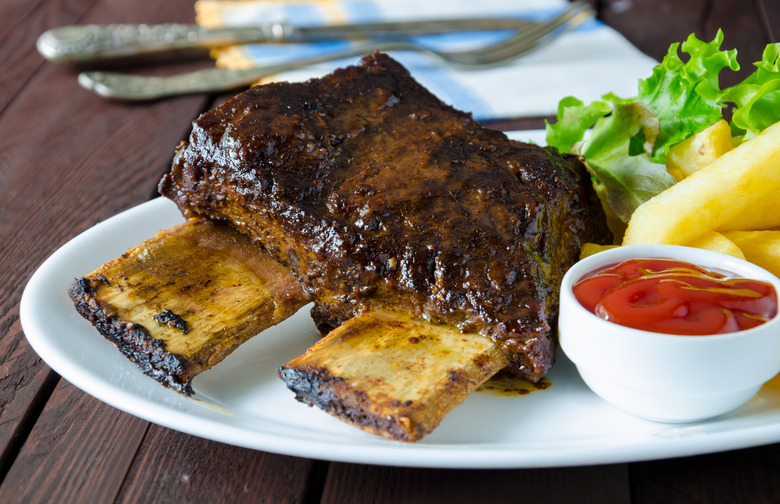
pixel 717 242
pixel 712 196
pixel 699 150
pixel 711 241
pixel 764 214
pixel 760 247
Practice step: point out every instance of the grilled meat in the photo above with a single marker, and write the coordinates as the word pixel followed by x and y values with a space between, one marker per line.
pixel 379 197
pixel 180 302
pixel 432 247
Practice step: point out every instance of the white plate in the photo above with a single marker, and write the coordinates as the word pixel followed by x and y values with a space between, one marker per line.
pixel 242 402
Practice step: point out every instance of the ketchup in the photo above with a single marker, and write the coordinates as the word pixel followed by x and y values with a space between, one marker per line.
pixel 675 297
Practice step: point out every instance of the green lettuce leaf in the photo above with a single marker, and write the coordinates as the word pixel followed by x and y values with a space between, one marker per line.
pixel 574 119
pixel 686 96
pixel 757 98
pixel 617 153
pixel 631 137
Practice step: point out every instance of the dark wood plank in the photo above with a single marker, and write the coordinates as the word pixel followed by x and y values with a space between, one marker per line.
pixel 70 159
pixel 78 451
pixel 380 485
pixel 524 123
pixel 769 10
pixel 175 467
pixel 747 26
pixel 22 23
pixel 652 25
pixel 738 476
pixel 633 20
pixel 14 13
pixel 743 29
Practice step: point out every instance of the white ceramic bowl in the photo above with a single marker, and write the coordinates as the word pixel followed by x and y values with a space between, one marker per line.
pixel 663 377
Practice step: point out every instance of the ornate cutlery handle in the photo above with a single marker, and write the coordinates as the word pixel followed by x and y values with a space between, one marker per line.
pixel 73 44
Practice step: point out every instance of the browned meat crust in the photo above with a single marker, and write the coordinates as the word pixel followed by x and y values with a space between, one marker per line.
pixel 379 196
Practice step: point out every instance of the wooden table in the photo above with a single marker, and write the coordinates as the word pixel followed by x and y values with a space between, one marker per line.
pixel 69 159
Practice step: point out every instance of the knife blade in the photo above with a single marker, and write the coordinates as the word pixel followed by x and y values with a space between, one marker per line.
pixel 86 43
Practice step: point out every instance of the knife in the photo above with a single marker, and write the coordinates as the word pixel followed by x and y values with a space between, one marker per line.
pixel 85 43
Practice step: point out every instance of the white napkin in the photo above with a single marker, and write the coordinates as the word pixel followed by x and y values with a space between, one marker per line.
pixel 587 62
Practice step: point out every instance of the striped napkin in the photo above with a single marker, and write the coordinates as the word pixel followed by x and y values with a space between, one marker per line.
pixel 587 62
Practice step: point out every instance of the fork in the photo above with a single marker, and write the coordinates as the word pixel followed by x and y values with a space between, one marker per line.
pixel 135 87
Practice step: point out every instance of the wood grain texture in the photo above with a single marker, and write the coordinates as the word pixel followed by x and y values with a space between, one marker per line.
pixel 769 12
pixel 526 123
pixel 14 14
pixel 69 160
pixel 79 451
pixel 724 478
pixel 653 25
pixel 380 485
pixel 22 23
pixel 740 22
pixel 58 179
pixel 178 468
pixel 22 375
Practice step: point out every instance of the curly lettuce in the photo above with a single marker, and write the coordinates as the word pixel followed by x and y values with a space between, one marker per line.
pixel 757 98
pixel 625 141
